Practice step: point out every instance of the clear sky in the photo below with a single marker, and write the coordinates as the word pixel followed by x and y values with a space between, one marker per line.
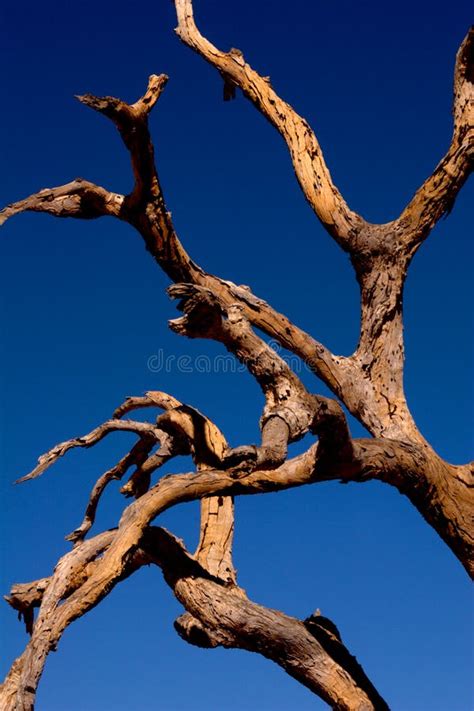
pixel 84 314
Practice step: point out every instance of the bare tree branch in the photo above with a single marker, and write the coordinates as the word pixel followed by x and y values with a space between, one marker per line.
pixel 225 614
pixel 131 121
pixel 17 692
pixel 438 193
pixel 79 198
pixel 136 457
pixel 290 411
pixel 88 440
pixel 310 168
pixel 231 620
pixel 153 398
pixel 369 384
pixel 145 210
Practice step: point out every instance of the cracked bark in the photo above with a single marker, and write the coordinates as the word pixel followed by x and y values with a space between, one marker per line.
pixel 369 384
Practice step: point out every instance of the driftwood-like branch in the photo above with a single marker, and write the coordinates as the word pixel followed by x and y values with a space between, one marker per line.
pixel 369 383
pixel 24 597
pixel 436 196
pixel 152 398
pixel 229 619
pixel 443 493
pixel 131 121
pixel 308 161
pixel 396 463
pixel 286 398
pixel 290 411
pixel 139 482
pixel 88 440
pixel 136 457
pixel 180 430
pixel 221 615
pixel 79 198
pixel 145 209
pixel 17 693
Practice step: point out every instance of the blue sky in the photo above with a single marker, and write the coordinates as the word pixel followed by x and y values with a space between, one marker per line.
pixel 84 309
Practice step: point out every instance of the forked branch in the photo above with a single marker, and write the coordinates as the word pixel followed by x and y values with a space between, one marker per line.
pixel 131 121
pixel 369 383
pixel 228 619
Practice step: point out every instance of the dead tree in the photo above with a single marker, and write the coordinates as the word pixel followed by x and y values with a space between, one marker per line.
pixel 369 384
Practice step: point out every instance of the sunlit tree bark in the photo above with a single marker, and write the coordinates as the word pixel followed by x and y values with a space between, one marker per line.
pixel 369 383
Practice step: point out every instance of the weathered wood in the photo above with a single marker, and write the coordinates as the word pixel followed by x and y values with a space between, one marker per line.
pixel 369 384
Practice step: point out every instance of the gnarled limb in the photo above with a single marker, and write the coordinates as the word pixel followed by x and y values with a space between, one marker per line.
pixel 190 431
pixel 153 398
pixel 290 411
pixel 24 597
pixel 136 457
pixel 139 482
pixel 381 260
pixel 214 550
pixel 399 464
pixel 145 209
pixel 370 384
pixel 221 612
pixel 444 494
pixel 18 691
pixel 88 440
pixel 436 196
pixel 80 199
pixel 229 619
pixel 308 161
pixel 286 398
pixel 131 121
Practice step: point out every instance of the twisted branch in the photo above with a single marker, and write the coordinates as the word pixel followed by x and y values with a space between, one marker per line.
pixel 88 440
pixel 223 613
pixel 436 196
pixel 311 170
pixel 80 199
pixel 369 383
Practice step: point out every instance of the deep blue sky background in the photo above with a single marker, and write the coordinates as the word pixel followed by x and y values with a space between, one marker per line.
pixel 84 308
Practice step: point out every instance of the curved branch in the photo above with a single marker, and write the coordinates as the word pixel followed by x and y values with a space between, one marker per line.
pixel 80 199
pixel 208 446
pixel 308 161
pixel 223 612
pixel 88 440
pixel 290 410
pixel 135 457
pixel 152 398
pixel 18 690
pixel 408 467
pixel 226 617
pixel 140 480
pixel 285 395
pixel 132 123
pixel 146 211
pixel 438 193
